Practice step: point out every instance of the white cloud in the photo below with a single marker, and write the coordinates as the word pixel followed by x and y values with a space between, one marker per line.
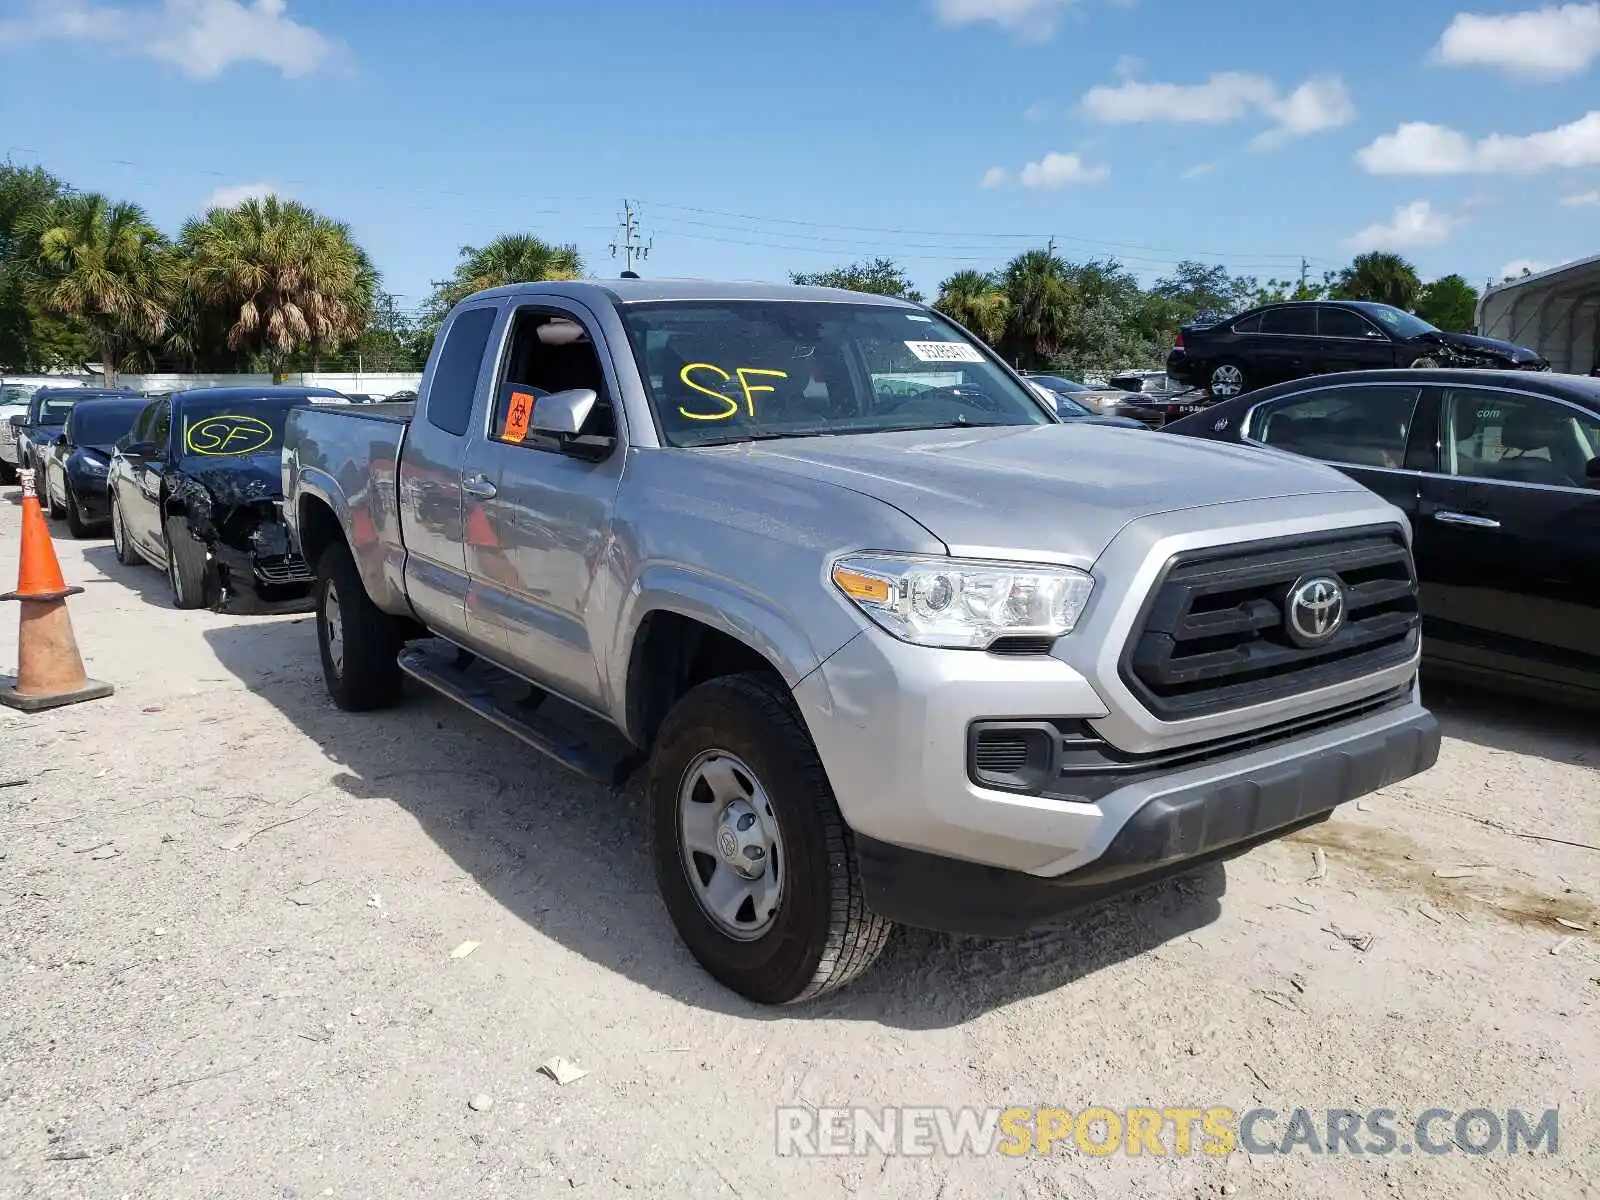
pixel 1543 43
pixel 1582 200
pixel 1418 148
pixel 1058 170
pixel 1198 170
pixel 994 177
pixel 1127 66
pixel 1413 226
pixel 202 38
pixel 238 193
pixel 1517 267
pixel 1035 20
pixel 1321 102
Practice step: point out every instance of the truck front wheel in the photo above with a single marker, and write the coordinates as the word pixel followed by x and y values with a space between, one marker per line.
pixel 752 857
pixel 360 643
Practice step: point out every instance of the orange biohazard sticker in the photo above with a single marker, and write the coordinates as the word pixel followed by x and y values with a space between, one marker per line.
pixel 518 417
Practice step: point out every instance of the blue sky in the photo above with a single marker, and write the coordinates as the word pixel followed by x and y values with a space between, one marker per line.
pixel 764 138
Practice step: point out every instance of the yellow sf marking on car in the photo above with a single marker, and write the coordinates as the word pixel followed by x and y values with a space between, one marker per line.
pixel 227 435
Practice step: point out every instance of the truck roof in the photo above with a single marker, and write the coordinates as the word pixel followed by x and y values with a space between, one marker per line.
pixel 634 291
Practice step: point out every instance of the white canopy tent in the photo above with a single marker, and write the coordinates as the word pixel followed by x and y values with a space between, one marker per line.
pixel 1556 312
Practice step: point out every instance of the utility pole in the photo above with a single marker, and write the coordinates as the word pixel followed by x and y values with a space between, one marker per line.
pixel 629 245
pixel 1050 249
pixel 1304 267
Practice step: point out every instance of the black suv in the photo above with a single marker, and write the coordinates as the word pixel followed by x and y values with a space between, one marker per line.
pixel 1286 341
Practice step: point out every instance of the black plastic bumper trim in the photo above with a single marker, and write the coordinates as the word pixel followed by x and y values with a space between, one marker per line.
pixel 1170 834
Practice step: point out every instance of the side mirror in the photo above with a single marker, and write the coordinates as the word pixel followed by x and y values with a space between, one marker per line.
pixel 563 413
pixel 19 421
pixel 1592 472
pixel 61 439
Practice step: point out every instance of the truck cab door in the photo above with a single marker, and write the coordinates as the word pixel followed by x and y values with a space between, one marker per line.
pixel 432 471
pixel 537 553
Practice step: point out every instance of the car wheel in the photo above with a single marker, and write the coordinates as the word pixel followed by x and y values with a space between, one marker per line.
pixel 360 643
pixel 75 522
pixel 1425 362
pixel 187 569
pixel 126 554
pixel 753 859
pixel 1228 379
pixel 55 511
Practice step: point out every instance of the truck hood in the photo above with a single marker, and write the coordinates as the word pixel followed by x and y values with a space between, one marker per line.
pixel 1059 493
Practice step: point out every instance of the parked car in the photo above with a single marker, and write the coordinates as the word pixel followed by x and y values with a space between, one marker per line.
pixel 1070 410
pixel 47 416
pixel 76 464
pixel 13 403
pixel 403 396
pixel 1292 340
pixel 196 486
pixel 1500 477
pixel 898 645
pixel 1122 404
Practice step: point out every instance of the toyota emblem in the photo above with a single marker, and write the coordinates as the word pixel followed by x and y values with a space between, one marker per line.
pixel 1315 610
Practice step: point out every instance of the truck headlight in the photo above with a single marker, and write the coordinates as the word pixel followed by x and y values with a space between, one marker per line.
pixel 962 603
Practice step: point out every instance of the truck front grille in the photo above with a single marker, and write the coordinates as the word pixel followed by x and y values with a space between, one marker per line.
pixel 1216 633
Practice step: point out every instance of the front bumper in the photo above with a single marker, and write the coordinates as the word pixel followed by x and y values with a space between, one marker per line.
pixel 893 722
pixel 261 583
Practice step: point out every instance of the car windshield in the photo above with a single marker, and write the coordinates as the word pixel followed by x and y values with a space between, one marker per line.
pixel 738 370
pixel 55 411
pixel 236 427
pixel 1057 384
pixel 101 424
pixel 15 393
pixel 1397 321
pixel 1068 407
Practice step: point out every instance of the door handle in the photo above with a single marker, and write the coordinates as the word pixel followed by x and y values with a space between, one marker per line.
pixel 1455 518
pixel 477 485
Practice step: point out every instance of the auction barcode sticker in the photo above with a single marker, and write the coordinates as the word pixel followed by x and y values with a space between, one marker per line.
pixel 944 352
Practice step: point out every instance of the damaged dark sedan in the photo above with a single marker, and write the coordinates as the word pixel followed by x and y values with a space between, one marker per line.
pixel 195 490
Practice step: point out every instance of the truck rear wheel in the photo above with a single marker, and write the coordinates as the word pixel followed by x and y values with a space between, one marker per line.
pixel 753 859
pixel 358 640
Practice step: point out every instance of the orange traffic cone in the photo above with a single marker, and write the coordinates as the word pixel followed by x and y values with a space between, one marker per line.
pixel 49 667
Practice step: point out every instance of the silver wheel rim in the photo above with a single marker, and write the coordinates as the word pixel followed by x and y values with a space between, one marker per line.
pixel 1227 380
pixel 731 846
pixel 116 526
pixel 333 629
pixel 1424 363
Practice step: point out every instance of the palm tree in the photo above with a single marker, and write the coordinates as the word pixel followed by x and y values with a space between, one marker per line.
pixel 510 258
pixel 1043 303
pixel 976 300
pixel 284 275
pixel 104 264
pixel 1381 277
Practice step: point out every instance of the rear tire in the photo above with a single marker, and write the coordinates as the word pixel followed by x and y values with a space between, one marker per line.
pixel 188 573
pixel 126 554
pixel 359 642
pixel 817 934
pixel 55 511
pixel 1228 379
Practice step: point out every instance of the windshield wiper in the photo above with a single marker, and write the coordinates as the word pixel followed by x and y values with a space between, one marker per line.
pixel 766 436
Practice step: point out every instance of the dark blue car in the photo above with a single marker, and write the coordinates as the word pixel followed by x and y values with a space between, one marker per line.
pixel 74 464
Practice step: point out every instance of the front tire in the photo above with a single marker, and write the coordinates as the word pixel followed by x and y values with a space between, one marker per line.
pixel 75 522
pixel 753 859
pixel 359 642
pixel 126 554
pixel 55 511
pixel 1228 379
pixel 188 573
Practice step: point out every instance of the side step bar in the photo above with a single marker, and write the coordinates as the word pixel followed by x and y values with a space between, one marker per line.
pixel 582 744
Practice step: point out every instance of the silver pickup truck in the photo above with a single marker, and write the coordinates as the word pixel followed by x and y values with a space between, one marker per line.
pixel 896 644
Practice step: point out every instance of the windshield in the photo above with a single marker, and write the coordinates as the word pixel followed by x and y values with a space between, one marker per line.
pixel 1068 407
pixel 1057 384
pixel 233 428
pixel 54 412
pixel 1398 322
pixel 734 370
pixel 101 424
pixel 16 393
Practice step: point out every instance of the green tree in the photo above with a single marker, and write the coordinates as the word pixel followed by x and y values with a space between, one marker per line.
pixel 287 278
pixel 105 264
pixel 509 258
pixel 1450 303
pixel 879 276
pixel 976 300
pixel 1044 304
pixel 1381 277
pixel 1275 291
pixel 1196 290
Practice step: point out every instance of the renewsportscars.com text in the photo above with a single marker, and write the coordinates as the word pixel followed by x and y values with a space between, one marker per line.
pixel 1174 1131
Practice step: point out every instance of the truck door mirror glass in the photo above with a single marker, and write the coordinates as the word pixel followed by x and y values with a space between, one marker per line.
pixel 20 421
pixel 564 413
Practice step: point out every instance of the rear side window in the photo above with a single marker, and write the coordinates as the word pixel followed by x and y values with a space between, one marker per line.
pixel 1362 425
pixel 1248 325
pixel 1289 320
pixel 455 378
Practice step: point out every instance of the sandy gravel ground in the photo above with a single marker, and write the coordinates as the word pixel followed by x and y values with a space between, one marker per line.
pixel 228 911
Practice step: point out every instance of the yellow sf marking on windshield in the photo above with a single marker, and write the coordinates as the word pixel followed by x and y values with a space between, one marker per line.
pixel 751 389
pixel 730 405
pixel 226 435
